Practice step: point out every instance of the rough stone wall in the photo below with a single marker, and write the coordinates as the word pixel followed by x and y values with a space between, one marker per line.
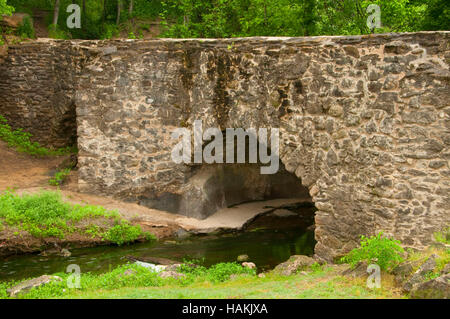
pixel 364 122
pixel 37 86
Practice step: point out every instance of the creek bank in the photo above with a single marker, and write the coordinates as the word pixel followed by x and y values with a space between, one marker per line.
pixel 163 225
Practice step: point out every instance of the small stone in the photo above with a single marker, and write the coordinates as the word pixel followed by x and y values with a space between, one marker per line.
pixel 242 258
pixel 65 252
pixel 314 191
pixel 249 265
pixel 336 110
pixel 295 264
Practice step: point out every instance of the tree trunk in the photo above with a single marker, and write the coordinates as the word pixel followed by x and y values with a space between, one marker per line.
pixel 119 7
pixel 56 12
pixel 130 9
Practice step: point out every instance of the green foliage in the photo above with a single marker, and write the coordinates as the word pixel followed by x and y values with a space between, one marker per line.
pixel 124 233
pixel 437 15
pixel 222 272
pixel 59 177
pixel 132 275
pixel 46 215
pixel 443 236
pixel 5 8
pixel 241 18
pixel 26 29
pixel 109 31
pixel 20 140
pixel 385 252
pixel 55 32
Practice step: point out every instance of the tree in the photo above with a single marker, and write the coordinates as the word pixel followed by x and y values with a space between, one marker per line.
pixel 437 15
pixel 5 9
pixel 56 12
pixel 119 8
pixel 130 8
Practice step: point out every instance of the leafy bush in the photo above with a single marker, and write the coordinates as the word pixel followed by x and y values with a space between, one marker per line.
pixel 222 272
pixel 55 32
pixel 20 140
pixel 26 29
pixel 5 8
pixel 386 252
pixel 124 233
pixel 109 31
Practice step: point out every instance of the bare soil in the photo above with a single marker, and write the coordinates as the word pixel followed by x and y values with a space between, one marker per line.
pixel 19 170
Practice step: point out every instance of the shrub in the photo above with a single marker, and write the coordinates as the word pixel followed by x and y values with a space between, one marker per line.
pixel 222 272
pixel 26 29
pixel 55 32
pixel 384 251
pixel 124 233
pixel 109 31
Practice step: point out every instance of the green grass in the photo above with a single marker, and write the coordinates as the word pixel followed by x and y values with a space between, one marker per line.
pixel 21 141
pixel 323 282
pixel 45 214
pixel 443 236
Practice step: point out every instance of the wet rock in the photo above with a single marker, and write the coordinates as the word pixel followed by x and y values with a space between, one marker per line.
pixel 249 265
pixel 32 283
pixel 295 264
pixel 242 258
pixel 65 252
pixel 438 288
pixel 182 234
pixel 154 260
pixel 152 267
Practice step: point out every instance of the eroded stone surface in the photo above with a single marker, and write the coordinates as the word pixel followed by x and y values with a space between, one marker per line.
pixel 364 120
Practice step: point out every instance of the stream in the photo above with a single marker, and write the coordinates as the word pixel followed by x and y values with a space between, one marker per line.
pixel 265 247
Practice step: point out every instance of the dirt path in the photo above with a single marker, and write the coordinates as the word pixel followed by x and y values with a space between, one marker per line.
pixel 19 170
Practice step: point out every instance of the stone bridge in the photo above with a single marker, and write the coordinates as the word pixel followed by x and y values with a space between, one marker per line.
pixel 364 123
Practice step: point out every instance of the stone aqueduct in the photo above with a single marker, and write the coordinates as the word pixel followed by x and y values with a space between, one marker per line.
pixel 364 120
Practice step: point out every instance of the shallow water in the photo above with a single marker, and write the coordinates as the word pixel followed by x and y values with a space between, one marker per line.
pixel 266 248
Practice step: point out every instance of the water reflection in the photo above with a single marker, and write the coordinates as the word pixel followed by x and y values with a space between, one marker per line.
pixel 266 248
